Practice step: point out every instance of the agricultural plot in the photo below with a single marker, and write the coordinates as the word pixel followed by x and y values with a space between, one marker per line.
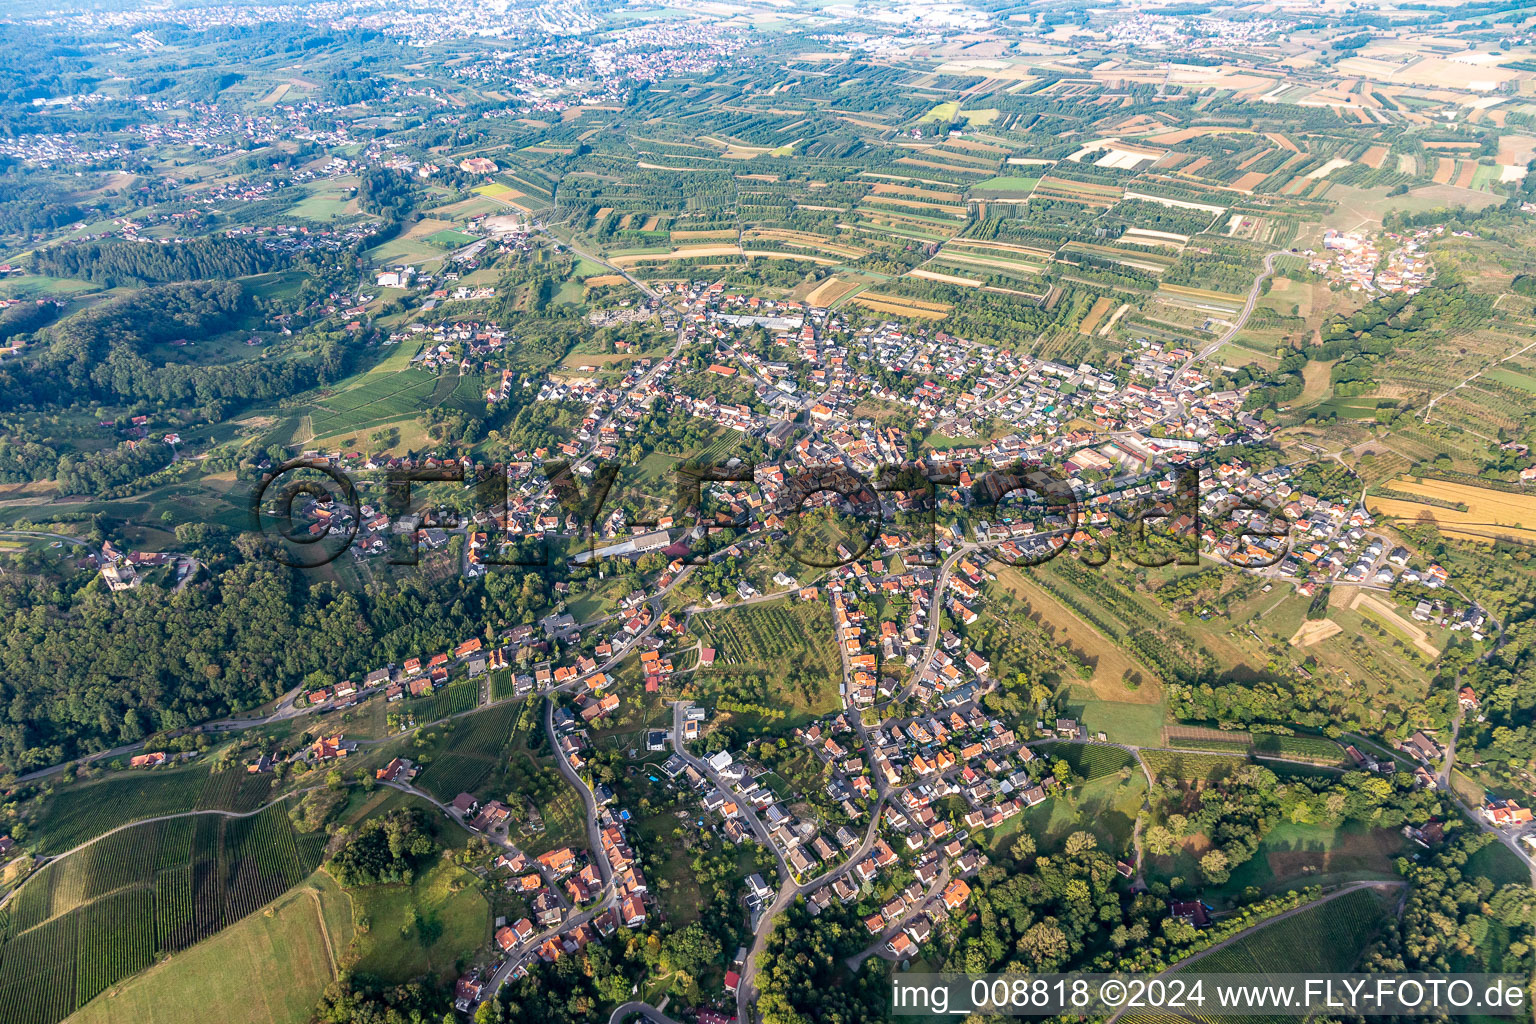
pixel 1089 761
pixel 1318 749
pixel 1176 764
pixel 471 753
pixel 454 699
pixel 289 955
pixel 1322 854
pixel 1475 513
pixel 87 921
pixel 377 398
pixel 413 246
pixel 897 305
pixel 986 257
pixel 80 813
pixel 762 640
pixel 1111 675
pixel 1328 937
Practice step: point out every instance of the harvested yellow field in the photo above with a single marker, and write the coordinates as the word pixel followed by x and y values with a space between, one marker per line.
pixel 1205 294
pixel 1315 631
pixel 1100 309
pixel 1517 149
pixel 806 239
pixel 964 282
pixel 698 236
pixel 899 306
pixel 602 280
pixel 680 253
pixel 829 291
pixel 1491 515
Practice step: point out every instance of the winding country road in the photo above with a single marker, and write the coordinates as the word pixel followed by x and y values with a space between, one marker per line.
pixel 1242 317
pixel 625 1011
pixel 588 800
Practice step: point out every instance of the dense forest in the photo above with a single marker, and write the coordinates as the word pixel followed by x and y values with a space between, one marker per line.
pixel 117 262
pixel 114 353
pixel 89 670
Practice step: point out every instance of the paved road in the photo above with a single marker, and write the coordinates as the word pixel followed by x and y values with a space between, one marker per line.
pixel 1242 317
pixel 877 948
pixel 594 834
pixel 32 534
pixel 747 812
pixel 746 991
pixel 646 1010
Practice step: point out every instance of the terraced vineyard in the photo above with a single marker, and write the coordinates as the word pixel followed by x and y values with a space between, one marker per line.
pixel 1326 938
pixel 107 911
pixel 471 753
pixel 81 813
pixel 1089 761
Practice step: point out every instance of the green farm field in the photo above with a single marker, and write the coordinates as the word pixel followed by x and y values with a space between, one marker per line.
pixel 268 968
pixel 95 918
pixel 451 919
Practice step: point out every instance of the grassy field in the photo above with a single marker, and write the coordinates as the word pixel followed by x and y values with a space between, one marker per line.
pixel 269 968
pixel 1139 725
pixel 1499 865
pixel 1111 667
pixel 762 640
pixel 1106 807
pixel 452 920
pixel 1318 855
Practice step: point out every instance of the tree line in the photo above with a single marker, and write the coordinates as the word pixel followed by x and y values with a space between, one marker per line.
pixel 116 262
